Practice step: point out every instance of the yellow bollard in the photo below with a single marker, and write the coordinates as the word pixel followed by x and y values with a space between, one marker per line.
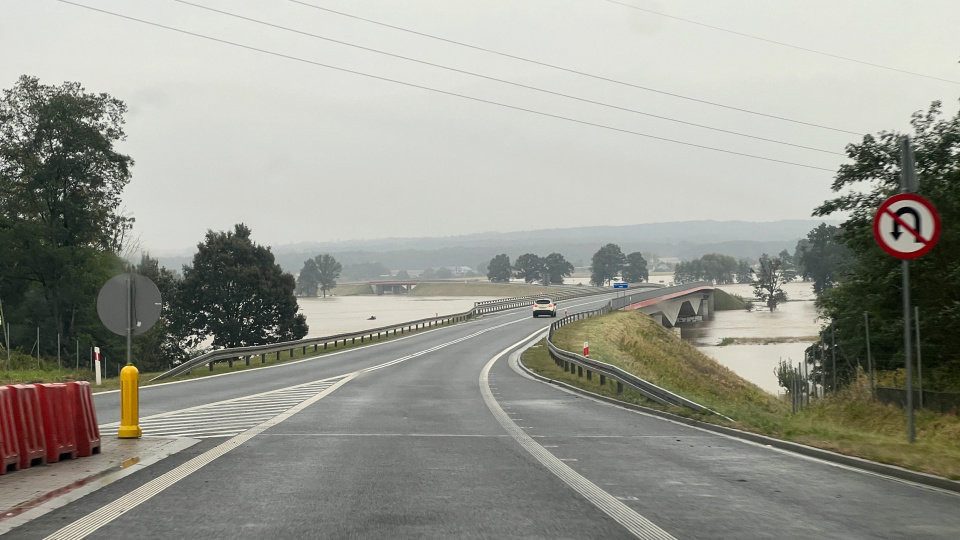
pixel 129 403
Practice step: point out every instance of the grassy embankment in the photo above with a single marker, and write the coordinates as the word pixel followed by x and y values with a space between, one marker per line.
pixel 848 423
pixel 724 301
pixel 25 370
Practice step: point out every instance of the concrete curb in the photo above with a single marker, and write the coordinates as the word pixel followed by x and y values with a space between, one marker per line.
pixel 810 451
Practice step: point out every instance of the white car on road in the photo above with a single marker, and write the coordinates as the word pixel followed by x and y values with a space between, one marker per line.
pixel 544 306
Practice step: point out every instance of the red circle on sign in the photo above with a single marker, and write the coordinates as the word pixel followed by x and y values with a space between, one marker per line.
pixel 928 244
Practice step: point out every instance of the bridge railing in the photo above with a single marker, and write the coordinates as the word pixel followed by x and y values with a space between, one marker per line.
pixel 233 354
pixel 571 361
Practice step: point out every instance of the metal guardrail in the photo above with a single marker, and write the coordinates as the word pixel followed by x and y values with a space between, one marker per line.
pixel 246 353
pixel 571 362
pixel 236 353
pixel 574 291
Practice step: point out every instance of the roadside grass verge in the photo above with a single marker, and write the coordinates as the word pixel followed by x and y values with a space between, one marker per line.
pixel 49 372
pixel 848 422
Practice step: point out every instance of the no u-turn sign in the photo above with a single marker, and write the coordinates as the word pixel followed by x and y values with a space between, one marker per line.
pixel 906 226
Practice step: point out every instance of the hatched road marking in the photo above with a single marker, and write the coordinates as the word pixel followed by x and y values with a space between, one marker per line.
pixel 226 418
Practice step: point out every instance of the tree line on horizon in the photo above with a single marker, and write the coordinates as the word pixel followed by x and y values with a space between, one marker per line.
pixel 607 264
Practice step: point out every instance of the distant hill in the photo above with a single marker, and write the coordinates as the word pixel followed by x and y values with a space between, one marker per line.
pixel 682 239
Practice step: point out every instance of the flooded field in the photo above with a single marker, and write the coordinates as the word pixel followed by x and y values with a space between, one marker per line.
pixel 340 314
pixel 791 329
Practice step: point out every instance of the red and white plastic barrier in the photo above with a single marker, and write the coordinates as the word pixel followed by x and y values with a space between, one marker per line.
pixel 44 423
pixel 9 449
pixel 85 418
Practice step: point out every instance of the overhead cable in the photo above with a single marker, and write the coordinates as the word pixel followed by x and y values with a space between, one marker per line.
pixel 577 72
pixel 782 44
pixel 438 91
pixel 504 81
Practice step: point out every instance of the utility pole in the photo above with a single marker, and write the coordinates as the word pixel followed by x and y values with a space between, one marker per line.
pixel 908 182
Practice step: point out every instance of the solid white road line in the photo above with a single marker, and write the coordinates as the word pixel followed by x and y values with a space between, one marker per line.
pixel 638 525
pixel 97 519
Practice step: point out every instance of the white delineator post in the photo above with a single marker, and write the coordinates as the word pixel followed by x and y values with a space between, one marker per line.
pixel 96 358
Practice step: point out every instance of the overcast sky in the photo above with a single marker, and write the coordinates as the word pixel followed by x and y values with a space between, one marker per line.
pixel 300 152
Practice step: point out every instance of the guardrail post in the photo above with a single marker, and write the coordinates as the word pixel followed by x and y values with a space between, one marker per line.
pixel 579 371
pixel 355 339
pixel 291 353
pixel 230 363
pixel 315 347
pixel 619 387
pixel 211 366
pixel 603 380
pixel 248 359
pixel 304 353
pixel 589 375
pixel 566 366
pixel 263 358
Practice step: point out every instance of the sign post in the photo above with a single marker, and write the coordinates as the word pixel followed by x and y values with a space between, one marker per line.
pixel 129 305
pixel 907 226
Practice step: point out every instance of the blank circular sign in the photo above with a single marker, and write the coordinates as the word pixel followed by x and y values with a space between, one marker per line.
pixel 124 292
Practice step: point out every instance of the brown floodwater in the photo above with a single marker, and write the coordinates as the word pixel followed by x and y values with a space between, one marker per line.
pixel 794 320
pixel 341 314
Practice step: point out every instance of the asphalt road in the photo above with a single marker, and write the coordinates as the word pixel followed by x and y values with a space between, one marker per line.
pixel 450 440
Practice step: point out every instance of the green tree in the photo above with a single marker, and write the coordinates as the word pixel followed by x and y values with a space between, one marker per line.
pixel 606 264
pixel 60 185
pixel 499 269
pixel 687 271
pixel 444 273
pixel 308 281
pixel 718 268
pixel 403 275
pixel 823 257
pixel 871 281
pixel 429 273
pixel 636 269
pixel 235 293
pixel 529 268
pixel 556 267
pixel 744 271
pixel 328 272
pixel 768 287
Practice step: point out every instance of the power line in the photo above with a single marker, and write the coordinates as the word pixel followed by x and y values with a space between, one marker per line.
pixel 444 92
pixel 782 44
pixel 583 73
pixel 489 78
